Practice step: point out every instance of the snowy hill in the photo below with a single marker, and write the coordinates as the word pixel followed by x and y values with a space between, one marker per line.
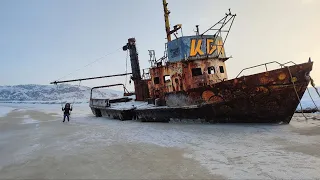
pixel 32 93
pixel 306 101
pixel 52 94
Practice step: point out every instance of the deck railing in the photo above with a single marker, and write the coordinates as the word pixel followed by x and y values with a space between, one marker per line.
pixel 265 64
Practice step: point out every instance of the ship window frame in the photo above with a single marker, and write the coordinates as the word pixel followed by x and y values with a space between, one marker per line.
pixel 196 72
pixel 156 80
pixel 221 68
pixel 165 80
pixel 211 69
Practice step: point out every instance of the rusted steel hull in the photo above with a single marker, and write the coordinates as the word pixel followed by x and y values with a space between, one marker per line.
pixel 102 108
pixel 269 108
pixel 113 113
pixel 268 97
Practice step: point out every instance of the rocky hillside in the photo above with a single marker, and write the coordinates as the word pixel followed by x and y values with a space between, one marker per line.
pixel 46 93
pixel 69 93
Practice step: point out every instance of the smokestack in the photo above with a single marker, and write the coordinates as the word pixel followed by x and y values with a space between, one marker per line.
pixel 140 85
pixel 135 66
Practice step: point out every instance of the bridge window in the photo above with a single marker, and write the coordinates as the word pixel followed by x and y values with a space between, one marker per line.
pixel 196 72
pixel 211 70
pixel 156 80
pixel 166 78
pixel 221 69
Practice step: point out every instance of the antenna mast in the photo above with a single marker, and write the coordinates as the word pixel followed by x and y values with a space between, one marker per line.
pixel 166 19
pixel 167 24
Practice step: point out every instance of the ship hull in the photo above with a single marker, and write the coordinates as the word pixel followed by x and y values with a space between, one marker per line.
pixel 119 114
pixel 275 107
pixel 268 97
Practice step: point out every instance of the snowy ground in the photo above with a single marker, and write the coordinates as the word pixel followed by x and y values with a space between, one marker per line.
pixel 5 110
pixel 35 144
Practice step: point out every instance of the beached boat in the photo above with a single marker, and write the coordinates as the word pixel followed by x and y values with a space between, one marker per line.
pixel 190 82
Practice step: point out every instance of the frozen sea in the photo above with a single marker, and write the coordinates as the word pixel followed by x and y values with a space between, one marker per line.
pixel 34 143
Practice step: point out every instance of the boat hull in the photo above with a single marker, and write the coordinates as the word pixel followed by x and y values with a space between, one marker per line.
pixel 274 107
pixel 119 114
pixel 268 97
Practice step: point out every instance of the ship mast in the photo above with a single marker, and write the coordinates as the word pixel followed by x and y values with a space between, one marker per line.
pixel 166 20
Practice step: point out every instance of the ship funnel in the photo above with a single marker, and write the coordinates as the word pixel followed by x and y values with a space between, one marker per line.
pixel 140 85
pixel 135 66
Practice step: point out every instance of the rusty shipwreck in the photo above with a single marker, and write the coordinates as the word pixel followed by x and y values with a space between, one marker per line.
pixel 190 82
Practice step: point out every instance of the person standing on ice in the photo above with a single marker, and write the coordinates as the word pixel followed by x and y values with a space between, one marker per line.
pixel 66 110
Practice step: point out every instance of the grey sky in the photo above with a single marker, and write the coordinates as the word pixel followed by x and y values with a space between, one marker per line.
pixel 42 40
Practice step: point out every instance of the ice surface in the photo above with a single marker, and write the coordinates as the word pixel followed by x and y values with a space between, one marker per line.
pixel 27 120
pixel 241 151
pixel 5 110
pixel 235 151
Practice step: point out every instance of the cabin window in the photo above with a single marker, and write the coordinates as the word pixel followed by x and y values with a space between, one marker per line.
pixel 211 70
pixel 166 78
pixel 156 80
pixel 196 72
pixel 221 69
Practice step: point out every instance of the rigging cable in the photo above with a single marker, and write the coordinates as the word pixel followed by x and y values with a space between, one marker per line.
pixel 294 86
pixel 59 98
pixel 96 60
pixel 312 99
pixel 75 96
pixel 314 86
pixel 125 84
pixel 295 90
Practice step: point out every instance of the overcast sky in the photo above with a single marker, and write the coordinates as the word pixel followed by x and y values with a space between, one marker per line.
pixel 42 40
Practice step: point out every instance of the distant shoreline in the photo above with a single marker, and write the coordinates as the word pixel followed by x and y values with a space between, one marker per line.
pixel 42 102
pixel 298 110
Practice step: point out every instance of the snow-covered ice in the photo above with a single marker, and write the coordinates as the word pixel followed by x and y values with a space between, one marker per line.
pixel 234 151
pixel 5 110
pixel 29 121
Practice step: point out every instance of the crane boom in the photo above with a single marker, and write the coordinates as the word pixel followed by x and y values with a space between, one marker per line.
pixel 84 79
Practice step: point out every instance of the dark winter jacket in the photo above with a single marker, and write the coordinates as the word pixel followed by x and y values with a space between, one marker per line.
pixel 67 110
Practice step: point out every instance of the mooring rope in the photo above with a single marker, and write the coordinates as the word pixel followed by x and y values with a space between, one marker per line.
pixel 295 90
pixel 312 99
pixel 314 86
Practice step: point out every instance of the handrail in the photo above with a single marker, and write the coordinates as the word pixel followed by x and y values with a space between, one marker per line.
pixel 289 62
pixel 265 64
pixel 111 85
